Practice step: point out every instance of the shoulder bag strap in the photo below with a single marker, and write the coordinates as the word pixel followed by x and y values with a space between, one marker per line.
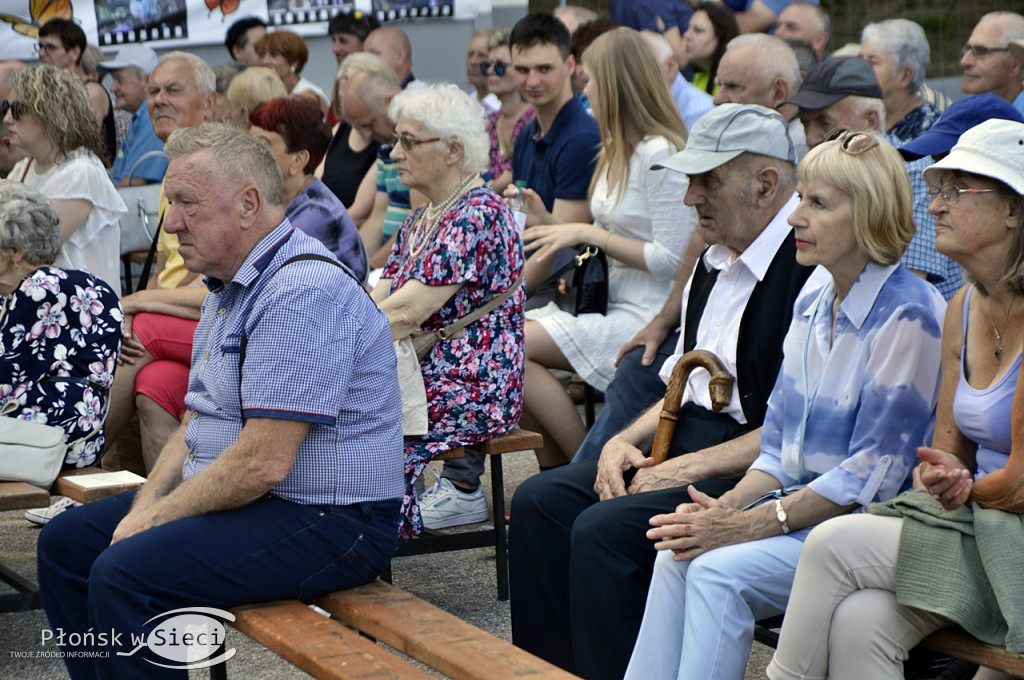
pixel 492 304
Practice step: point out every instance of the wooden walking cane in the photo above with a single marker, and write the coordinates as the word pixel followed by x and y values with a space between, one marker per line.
pixel 720 389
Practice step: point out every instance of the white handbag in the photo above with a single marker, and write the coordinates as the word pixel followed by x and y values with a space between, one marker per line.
pixel 29 452
pixel 139 226
pixel 414 393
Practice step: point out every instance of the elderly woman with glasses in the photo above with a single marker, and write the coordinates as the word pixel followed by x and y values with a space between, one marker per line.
pixel 503 125
pixel 898 51
pixel 870 587
pixel 451 257
pixel 854 396
pixel 60 329
pixel 49 117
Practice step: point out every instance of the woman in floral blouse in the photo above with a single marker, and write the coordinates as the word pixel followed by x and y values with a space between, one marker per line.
pixel 60 329
pixel 504 125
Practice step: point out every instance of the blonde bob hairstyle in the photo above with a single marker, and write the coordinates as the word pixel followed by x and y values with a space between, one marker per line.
pixel 632 103
pixel 252 87
pixel 445 111
pixel 58 101
pixel 876 182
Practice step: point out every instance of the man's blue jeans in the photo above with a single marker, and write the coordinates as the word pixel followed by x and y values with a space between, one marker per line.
pixel 270 549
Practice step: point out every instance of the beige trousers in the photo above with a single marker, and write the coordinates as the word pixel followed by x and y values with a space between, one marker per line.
pixel 843 620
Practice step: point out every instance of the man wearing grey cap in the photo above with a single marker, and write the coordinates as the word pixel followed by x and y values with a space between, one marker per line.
pixel 844 92
pixel 130 71
pixel 579 560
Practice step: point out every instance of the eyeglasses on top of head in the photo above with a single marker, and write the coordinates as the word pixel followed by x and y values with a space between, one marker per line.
pixel 409 142
pixel 981 51
pixel 853 143
pixel 16 108
pixel 499 67
pixel 951 193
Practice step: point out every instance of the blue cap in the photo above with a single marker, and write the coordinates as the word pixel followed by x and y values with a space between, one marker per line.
pixel 958 118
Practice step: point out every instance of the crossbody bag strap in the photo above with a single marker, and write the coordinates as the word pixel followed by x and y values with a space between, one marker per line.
pixel 492 304
pixel 245 338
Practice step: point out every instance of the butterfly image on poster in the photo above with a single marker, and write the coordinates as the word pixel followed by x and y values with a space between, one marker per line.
pixel 226 6
pixel 39 12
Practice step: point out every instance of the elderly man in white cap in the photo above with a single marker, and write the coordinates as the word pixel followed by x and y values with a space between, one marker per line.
pixel 579 562
pixel 130 71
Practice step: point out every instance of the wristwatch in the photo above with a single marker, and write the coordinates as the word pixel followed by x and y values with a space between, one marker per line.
pixel 780 514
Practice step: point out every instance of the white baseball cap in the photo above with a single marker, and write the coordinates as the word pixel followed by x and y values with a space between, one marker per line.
pixel 993 149
pixel 137 56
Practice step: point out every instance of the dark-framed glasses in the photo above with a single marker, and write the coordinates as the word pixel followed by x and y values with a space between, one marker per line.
pixel 409 142
pixel 853 143
pixel 46 47
pixel 980 51
pixel 499 67
pixel 16 108
pixel 951 193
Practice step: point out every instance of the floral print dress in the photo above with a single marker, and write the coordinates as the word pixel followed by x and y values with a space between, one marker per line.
pixel 501 150
pixel 474 384
pixel 60 337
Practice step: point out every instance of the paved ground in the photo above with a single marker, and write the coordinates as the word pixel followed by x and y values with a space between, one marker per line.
pixel 462 583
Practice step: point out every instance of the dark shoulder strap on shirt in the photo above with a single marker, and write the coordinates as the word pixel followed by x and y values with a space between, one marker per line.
pixel 245 338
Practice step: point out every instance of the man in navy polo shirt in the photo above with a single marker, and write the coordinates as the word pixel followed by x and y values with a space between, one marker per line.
pixel 555 153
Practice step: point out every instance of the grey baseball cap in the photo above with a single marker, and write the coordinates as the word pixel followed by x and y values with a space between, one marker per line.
pixel 728 130
pixel 834 79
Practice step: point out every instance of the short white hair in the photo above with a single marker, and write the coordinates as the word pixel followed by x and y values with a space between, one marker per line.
pixel 857 105
pixel 905 43
pixel 444 110
pixel 205 78
pixel 776 59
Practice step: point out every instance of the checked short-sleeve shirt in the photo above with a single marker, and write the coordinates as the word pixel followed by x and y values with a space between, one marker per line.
pixel 317 350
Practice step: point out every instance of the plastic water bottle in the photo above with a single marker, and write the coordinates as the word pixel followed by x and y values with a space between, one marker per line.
pixel 518 205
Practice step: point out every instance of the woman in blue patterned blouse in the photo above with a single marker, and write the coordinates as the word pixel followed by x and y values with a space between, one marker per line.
pixel 60 329
pixel 855 396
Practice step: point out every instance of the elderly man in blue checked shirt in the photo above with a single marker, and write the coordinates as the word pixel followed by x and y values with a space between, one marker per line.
pixel 285 477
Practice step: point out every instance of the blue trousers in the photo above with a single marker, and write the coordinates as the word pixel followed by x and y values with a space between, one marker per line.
pixel 632 391
pixel 267 550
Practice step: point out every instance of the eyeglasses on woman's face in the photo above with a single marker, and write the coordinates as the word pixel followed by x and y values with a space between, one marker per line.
pixel 853 143
pixel 951 193
pixel 499 67
pixel 409 142
pixel 16 108
pixel 47 47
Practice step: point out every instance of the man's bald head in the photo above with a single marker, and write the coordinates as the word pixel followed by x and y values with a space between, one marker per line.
pixel 366 99
pixel 392 45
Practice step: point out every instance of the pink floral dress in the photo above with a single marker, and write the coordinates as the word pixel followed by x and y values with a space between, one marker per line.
pixel 501 155
pixel 474 385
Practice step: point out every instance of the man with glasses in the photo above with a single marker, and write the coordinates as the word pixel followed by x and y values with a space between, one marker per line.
pixel 987 63
pixel 61 45
pixel 843 92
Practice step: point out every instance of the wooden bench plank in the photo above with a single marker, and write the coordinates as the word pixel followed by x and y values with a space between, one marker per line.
pixel 958 643
pixel 433 636
pixel 22 495
pixel 329 650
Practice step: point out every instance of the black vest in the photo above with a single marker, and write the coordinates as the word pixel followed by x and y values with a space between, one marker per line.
pixel 763 326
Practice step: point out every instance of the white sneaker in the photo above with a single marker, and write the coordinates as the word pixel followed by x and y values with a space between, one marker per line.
pixel 44 515
pixel 444 506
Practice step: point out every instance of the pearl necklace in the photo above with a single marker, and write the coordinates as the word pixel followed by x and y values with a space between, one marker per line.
pixel 430 217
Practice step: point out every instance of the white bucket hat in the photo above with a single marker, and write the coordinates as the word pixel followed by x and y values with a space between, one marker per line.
pixel 993 149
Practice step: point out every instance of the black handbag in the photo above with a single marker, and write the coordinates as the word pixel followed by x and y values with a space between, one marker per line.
pixel 581 286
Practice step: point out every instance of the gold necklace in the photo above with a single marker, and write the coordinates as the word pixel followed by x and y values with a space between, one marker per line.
pixel 430 217
pixel 1006 319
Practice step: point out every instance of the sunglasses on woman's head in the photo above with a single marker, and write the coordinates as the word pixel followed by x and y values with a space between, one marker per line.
pixel 853 143
pixel 16 108
pixel 499 67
